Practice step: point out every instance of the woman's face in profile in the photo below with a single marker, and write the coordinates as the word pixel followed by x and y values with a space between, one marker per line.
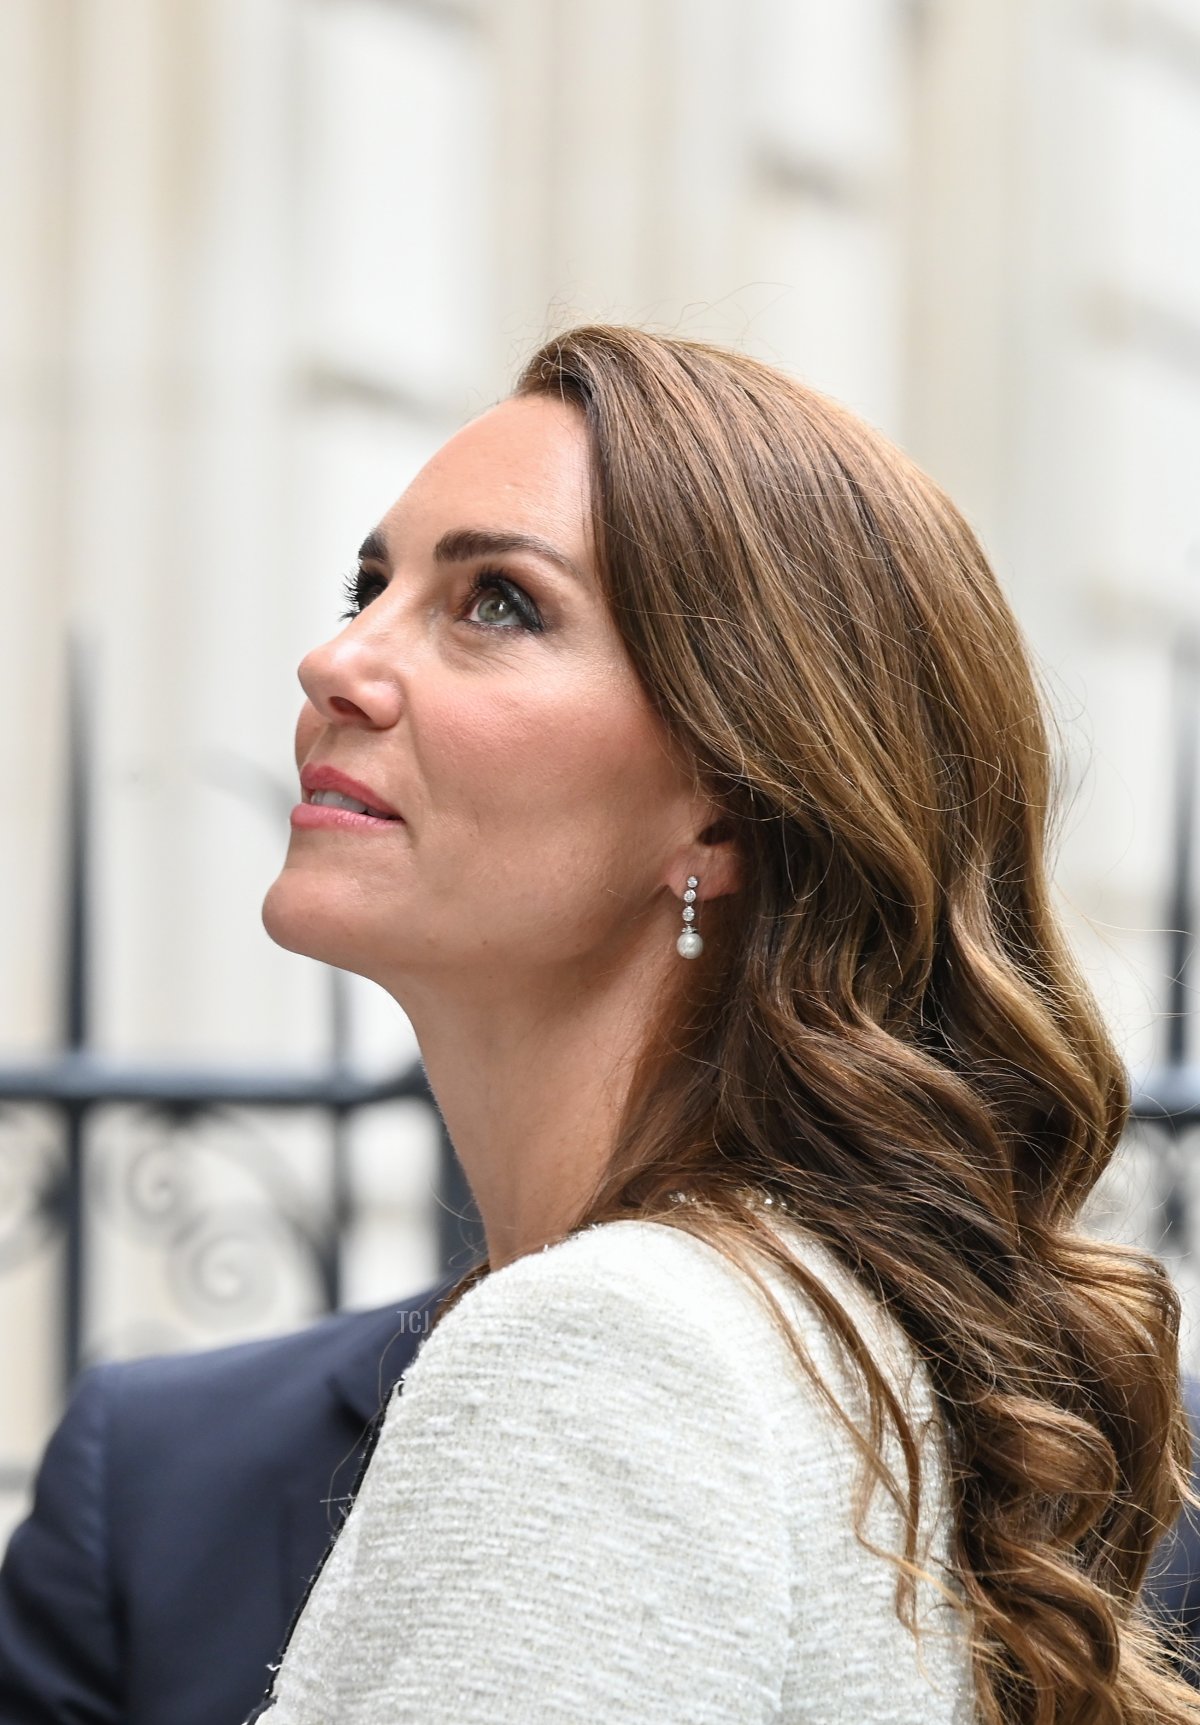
pixel 483 693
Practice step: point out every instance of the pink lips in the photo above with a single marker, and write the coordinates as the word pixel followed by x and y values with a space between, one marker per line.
pixel 326 778
pixel 320 815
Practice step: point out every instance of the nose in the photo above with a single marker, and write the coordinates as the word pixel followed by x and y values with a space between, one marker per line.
pixel 349 682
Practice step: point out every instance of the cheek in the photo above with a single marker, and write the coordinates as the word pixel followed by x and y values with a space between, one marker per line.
pixel 575 762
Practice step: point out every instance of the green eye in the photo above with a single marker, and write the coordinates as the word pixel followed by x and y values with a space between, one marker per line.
pixel 501 604
pixel 494 603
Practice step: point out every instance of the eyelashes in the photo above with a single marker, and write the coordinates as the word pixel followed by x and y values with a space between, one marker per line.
pixel 354 588
pixel 360 587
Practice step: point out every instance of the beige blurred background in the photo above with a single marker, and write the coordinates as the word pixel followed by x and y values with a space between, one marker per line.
pixel 259 257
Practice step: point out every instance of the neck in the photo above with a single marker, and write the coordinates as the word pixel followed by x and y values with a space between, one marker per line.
pixel 531 1076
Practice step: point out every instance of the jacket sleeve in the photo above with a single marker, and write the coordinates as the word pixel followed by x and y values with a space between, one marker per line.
pixel 59 1660
pixel 1172 1587
pixel 573 1513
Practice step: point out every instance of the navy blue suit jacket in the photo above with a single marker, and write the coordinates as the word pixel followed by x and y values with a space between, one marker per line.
pixel 180 1510
pixel 1173 1585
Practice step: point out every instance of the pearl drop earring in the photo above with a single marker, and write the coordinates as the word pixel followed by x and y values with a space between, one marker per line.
pixel 689 944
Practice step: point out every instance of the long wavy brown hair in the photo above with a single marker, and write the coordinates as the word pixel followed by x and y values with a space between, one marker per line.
pixel 887 1032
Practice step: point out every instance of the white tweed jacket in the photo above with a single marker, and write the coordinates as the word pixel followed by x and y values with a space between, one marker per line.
pixel 609 1496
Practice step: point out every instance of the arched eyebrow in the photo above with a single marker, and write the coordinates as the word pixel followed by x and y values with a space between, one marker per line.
pixel 374 549
pixel 464 544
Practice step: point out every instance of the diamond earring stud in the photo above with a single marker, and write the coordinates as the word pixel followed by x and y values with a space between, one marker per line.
pixel 689 944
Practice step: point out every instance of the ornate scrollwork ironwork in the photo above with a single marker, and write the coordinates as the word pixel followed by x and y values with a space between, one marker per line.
pixel 32 1162
pixel 238 1237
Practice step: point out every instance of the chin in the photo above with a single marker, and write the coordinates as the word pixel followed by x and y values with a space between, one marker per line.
pixel 307 914
pixel 298 916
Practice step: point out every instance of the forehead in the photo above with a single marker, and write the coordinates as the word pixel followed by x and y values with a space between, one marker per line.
pixel 523 465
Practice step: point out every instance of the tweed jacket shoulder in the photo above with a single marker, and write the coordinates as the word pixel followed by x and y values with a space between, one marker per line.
pixel 609 1495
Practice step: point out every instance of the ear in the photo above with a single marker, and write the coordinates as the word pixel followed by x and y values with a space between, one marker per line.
pixel 714 859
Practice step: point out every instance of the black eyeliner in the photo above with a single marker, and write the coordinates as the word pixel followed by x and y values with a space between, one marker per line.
pixel 491 581
pixel 359 581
